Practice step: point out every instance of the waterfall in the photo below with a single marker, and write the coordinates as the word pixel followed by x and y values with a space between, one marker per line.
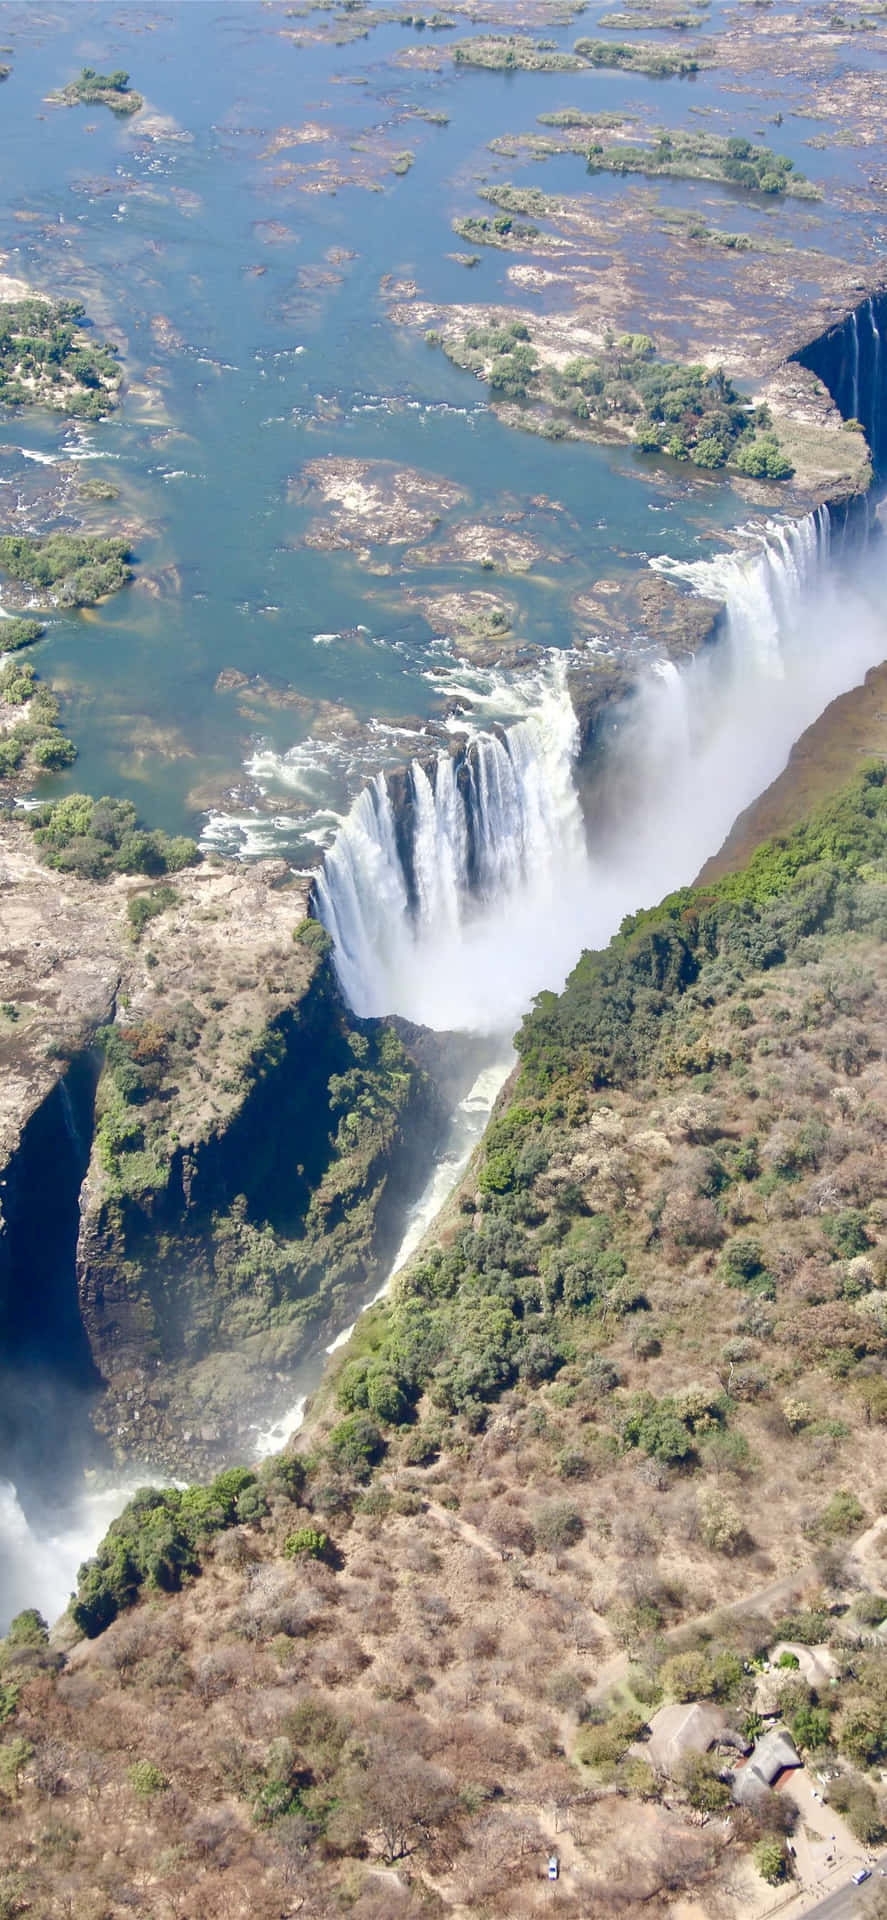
pixel 854 366
pixel 494 832
pixel 487 886
pixel 848 361
pixel 762 587
pixel 874 429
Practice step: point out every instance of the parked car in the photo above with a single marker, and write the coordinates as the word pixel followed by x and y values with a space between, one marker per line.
pixel 554 1866
pixel 861 1874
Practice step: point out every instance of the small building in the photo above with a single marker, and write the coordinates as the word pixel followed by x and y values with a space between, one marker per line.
pixel 775 1753
pixel 680 1730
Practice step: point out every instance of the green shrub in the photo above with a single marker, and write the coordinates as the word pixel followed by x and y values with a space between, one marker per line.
pixel 742 1265
pixel 844 1514
pixel 657 1427
pixel 142 908
pixel 557 1526
pixel 99 837
pixel 16 633
pixel 78 568
pixel 146 1779
pixel 310 934
pixel 770 1858
pixel 761 457
pixel 28 1629
pixel 54 751
pixel 847 1233
pixel 306 1542
pixel 356 1445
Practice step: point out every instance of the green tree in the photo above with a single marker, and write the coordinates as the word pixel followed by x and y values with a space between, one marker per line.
pixel 699 1779
pixel 771 1861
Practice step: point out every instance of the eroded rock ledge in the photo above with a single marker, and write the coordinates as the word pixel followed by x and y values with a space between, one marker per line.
pixel 204 1135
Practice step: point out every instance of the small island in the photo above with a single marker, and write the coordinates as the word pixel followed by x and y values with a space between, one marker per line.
pixel 16 633
pixel 64 569
pixel 518 52
pixel 48 358
pixel 31 740
pixel 623 389
pixel 100 89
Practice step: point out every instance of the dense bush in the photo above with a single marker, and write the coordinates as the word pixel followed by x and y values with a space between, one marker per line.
pixel 688 412
pixel 103 89
pixel 99 837
pixel 616 1012
pixel 641 57
pixel 705 156
pixel 157 1540
pixel 16 633
pixel 35 740
pixel 76 569
pixel 47 355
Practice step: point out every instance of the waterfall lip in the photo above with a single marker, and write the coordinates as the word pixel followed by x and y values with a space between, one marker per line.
pixel 414 875
pixel 846 358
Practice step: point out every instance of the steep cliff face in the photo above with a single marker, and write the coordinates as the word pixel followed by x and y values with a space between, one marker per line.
pixel 850 358
pixel 204 1263
pixel 201 1157
pixel 41 1331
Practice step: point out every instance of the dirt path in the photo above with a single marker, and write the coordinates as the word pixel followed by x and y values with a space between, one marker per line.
pixel 471 1535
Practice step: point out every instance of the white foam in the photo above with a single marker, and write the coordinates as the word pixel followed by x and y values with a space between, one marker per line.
pixel 454 942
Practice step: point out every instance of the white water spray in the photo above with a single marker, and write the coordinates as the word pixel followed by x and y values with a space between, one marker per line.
pixel 466 940
pixel 874 434
pixel 854 365
pixel 496 837
pixel 40 1559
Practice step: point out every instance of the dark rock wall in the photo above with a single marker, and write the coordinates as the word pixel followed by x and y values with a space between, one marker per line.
pixel 158 1269
pixel 851 361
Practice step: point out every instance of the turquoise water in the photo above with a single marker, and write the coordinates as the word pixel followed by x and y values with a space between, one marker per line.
pixel 237 377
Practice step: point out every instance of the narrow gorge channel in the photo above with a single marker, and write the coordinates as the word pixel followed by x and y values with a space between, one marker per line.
pixel 459 887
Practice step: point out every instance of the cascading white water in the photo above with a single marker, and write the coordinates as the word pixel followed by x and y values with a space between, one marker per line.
pixel 472 945
pixel 496 834
pixel 761 588
pixel 854 366
pixel 874 425
pixel 470 941
pixel 40 1558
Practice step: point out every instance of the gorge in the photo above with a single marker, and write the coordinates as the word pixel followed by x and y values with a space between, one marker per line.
pixel 442 1221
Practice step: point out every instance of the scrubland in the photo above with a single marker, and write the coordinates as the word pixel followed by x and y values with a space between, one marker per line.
pixel 620 1428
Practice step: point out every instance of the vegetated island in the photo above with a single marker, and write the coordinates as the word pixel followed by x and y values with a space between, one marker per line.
pixel 100 89
pixel 649 19
pixel 643 57
pixel 31 740
pixel 704 156
pixel 501 232
pixel 64 569
pixel 515 52
pixel 48 358
pixel 690 413
pixel 16 633
pixel 608 1462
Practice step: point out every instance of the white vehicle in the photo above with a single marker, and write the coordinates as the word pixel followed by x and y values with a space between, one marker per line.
pixel 861 1874
pixel 554 1866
